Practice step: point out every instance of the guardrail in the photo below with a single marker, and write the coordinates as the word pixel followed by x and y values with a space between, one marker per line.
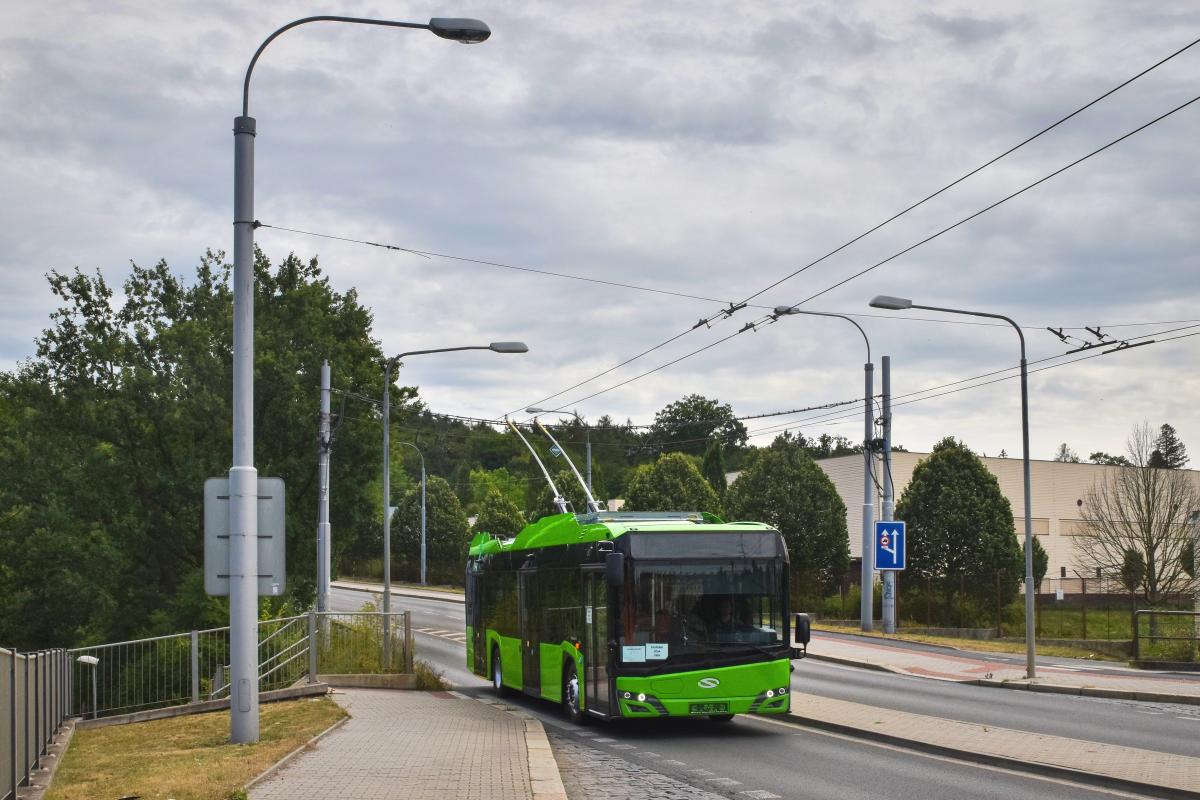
pixel 1166 637
pixel 34 702
pixel 186 668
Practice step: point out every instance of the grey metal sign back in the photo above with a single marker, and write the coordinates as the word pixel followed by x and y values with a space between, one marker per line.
pixel 272 571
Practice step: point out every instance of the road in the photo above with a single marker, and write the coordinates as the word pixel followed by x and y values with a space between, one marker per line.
pixel 755 754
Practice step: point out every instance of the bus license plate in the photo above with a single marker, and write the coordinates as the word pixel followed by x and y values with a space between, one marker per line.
pixel 708 708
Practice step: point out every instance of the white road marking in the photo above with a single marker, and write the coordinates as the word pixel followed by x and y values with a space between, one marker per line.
pixel 759 794
pixel 622 746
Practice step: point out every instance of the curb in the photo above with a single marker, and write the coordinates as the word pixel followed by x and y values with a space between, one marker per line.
pixel 420 594
pixel 42 777
pixel 281 763
pixel 1045 688
pixel 544 777
pixel 993 760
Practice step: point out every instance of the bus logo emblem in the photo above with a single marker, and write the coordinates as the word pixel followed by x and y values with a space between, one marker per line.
pixel 709 683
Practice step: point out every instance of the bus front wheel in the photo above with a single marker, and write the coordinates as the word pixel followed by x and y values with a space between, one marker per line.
pixel 498 675
pixel 571 696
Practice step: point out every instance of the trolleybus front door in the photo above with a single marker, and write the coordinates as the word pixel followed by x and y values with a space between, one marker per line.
pixel 595 648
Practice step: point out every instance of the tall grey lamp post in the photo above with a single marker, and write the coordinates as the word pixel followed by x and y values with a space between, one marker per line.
pixel 495 347
pixel 903 304
pixel 866 603
pixel 243 477
pixel 587 432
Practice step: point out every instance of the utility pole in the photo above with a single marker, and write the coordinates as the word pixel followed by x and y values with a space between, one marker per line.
pixel 323 446
pixel 387 515
pixel 889 576
pixel 867 607
pixel 1195 520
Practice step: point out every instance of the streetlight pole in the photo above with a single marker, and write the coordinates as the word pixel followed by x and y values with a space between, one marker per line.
pixel 587 432
pixel 495 347
pixel 903 304
pixel 243 477
pixel 866 601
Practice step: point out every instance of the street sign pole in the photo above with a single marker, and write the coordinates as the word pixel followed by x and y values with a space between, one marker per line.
pixel 889 577
pixel 867 605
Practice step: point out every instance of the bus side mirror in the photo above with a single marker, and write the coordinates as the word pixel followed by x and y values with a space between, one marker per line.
pixel 614 569
pixel 803 628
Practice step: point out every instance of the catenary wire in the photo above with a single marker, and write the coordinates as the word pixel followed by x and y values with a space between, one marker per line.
pixel 860 273
pixel 898 215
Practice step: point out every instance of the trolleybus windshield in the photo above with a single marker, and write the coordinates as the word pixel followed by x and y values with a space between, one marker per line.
pixel 690 608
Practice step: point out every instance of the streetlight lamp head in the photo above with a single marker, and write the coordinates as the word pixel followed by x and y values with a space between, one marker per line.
pixel 782 311
pixel 92 660
pixel 467 31
pixel 891 303
pixel 536 410
pixel 508 347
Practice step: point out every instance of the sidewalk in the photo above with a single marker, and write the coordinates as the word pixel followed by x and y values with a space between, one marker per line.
pixel 413 745
pixel 1102 680
pixel 1089 762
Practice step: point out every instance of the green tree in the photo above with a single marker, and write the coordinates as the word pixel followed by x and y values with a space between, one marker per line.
pixel 446 534
pixel 714 467
pixel 484 482
pixel 785 488
pixel 1169 452
pixel 687 424
pixel 498 516
pixel 1100 457
pixel 1041 561
pixel 108 432
pixel 960 523
pixel 672 483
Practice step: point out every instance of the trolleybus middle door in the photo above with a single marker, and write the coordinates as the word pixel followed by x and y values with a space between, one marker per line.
pixel 528 631
pixel 595 648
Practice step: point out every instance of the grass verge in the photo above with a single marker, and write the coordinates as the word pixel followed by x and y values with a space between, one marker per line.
pixel 979 645
pixel 185 758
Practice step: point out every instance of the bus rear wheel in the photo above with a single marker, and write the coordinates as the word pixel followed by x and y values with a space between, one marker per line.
pixel 498 675
pixel 571 696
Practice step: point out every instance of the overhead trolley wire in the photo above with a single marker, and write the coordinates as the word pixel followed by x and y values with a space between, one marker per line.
pixel 894 217
pixel 754 325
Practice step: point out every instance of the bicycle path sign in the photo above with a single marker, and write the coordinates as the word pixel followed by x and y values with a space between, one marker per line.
pixel 890 543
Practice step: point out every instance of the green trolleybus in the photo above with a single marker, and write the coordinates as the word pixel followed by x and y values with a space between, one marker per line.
pixel 635 615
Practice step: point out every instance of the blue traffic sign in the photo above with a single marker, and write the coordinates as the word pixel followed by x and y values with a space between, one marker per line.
pixel 889 545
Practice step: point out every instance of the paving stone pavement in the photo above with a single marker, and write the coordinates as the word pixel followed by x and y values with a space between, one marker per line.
pixel 411 746
pixel 589 774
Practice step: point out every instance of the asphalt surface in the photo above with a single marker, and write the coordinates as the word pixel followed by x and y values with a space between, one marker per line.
pixel 760 755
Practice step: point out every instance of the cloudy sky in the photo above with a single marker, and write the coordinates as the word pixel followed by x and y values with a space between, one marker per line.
pixel 702 148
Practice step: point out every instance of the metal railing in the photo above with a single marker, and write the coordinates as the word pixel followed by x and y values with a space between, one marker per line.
pixel 34 702
pixel 1166 637
pixel 193 667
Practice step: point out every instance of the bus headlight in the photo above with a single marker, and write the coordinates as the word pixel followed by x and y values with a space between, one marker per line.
pixel 783 690
pixel 770 693
pixel 641 697
pixel 628 695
